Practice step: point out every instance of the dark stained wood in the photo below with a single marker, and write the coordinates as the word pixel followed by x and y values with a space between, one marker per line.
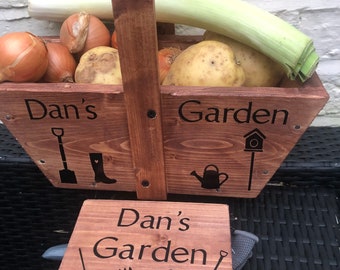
pixel 165 28
pixel 136 30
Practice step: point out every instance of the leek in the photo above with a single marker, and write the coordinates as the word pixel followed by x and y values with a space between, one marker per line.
pixel 237 19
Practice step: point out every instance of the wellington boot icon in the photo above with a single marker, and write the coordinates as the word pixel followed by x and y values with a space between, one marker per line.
pixel 98 168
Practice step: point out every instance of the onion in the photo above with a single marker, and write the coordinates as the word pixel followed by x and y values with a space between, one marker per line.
pixel 23 57
pixel 114 42
pixel 166 57
pixel 61 64
pixel 82 31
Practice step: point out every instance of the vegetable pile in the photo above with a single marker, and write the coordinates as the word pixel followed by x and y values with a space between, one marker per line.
pixel 86 52
pixel 242 46
pixel 237 19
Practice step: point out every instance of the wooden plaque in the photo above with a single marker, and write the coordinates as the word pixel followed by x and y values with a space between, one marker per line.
pixel 149 235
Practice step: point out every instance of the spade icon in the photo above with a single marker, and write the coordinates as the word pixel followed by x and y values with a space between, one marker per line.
pixel 66 175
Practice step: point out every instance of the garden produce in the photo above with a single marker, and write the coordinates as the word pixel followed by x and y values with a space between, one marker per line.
pixel 114 42
pixel 166 57
pixel 99 65
pixel 259 69
pixel 237 19
pixel 207 63
pixel 23 57
pixel 61 64
pixel 82 31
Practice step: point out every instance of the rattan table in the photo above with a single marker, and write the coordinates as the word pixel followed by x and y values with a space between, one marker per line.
pixel 296 216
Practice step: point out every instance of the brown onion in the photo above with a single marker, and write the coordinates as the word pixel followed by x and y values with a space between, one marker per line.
pixel 61 64
pixel 114 42
pixel 23 57
pixel 166 57
pixel 82 31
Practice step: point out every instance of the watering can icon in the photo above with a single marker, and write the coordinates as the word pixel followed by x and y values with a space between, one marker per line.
pixel 212 178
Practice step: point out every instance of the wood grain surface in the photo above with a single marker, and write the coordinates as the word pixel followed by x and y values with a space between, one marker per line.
pixel 135 24
pixel 147 234
pixel 94 120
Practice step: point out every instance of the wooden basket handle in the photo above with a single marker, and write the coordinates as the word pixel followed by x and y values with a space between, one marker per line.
pixel 135 24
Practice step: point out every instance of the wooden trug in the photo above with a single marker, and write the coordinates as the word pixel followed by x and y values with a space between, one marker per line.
pixel 153 139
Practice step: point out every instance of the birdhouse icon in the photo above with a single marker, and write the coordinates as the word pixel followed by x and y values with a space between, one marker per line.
pixel 254 141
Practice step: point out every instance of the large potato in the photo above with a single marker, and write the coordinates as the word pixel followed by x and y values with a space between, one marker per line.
pixel 207 63
pixel 99 65
pixel 259 69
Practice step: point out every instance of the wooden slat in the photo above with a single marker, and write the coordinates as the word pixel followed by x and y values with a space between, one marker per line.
pixel 165 28
pixel 136 31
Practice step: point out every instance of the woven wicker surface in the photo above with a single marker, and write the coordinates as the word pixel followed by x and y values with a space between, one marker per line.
pixel 295 216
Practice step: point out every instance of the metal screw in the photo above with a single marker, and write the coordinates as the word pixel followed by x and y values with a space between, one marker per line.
pixel 151 114
pixel 145 183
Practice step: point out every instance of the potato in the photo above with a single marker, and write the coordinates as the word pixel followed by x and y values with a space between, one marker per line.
pixel 99 65
pixel 207 63
pixel 259 69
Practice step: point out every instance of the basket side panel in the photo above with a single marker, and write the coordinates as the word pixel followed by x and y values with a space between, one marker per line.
pixel 78 139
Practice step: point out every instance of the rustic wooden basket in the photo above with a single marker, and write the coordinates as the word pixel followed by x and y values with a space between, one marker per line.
pixel 156 139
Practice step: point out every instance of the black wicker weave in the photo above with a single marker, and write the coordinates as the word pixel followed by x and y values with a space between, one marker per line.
pixel 295 216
